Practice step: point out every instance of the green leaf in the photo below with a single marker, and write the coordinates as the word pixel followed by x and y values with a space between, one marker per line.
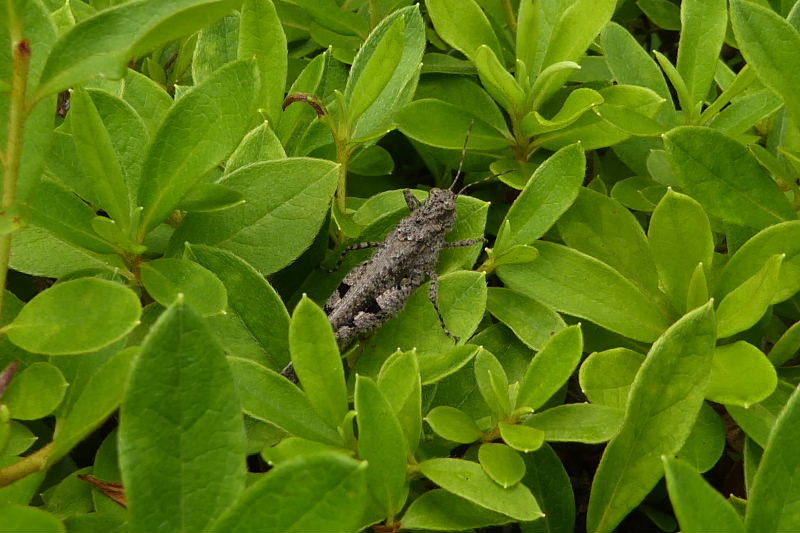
pixel 698 506
pixel 76 316
pixel 553 187
pixel 23 519
pixel 679 238
pixel 786 346
pixel 209 197
pixel 293 447
pixel 398 90
pixel 532 322
pixel 468 480
pixel 550 369
pixel 548 481
pixel 100 397
pixel 492 383
pixel 745 305
pixel 773 499
pixel 601 227
pixel 149 99
pixel 268 396
pixel 321 492
pixel 498 81
pixel 658 418
pixel 578 102
pixel 702 34
pixel 766 41
pixel 663 13
pixel 167 278
pixel 381 443
pixel 260 144
pixel 465 294
pixel 753 254
pixel 400 383
pixel 35 392
pixel 576 29
pixel 439 510
pixel 443 125
pixel 741 375
pixel 629 62
pixel 67 217
pixel 98 160
pixel 190 470
pixel 578 422
pixel 257 231
pixel 199 131
pixel 706 442
pixel 453 424
pixel 503 464
pixel 261 36
pixel 317 361
pixel 103 44
pixel 593 131
pixel 606 376
pixel 373 67
pixel 758 421
pixel 745 112
pixel 463 25
pixel 19 439
pixel 591 290
pixel 435 367
pixel 725 178
pixel 296 118
pixel 250 298
pixel 522 438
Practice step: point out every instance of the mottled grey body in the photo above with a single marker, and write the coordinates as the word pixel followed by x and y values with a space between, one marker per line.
pixel 378 288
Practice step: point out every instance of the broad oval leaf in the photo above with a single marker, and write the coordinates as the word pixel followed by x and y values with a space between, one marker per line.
pixel 679 237
pixel 288 200
pixel 468 480
pixel 168 277
pixel 552 188
pixel 741 375
pixel 190 470
pixel 35 392
pixel 252 299
pixel 502 463
pixel 658 418
pixel 463 25
pixel 520 437
pixel 439 510
pixel 268 396
pixel 320 492
pixel 726 178
pixel 200 130
pixel 453 424
pixel 551 368
pixel 400 382
pixel 606 376
pixel 745 305
pixel 577 422
pixel 76 316
pixel 22 519
pixel 532 322
pixel 767 40
pixel 591 290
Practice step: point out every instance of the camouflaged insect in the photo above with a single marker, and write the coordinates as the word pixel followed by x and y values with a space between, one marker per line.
pixel 379 288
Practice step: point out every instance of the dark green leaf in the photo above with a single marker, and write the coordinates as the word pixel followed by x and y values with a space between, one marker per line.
pixel 35 392
pixel 453 424
pixel 439 510
pixel 318 493
pixel 578 422
pixel 606 377
pixel 167 278
pixel 186 473
pixel 532 322
pixel 551 368
pixel 502 463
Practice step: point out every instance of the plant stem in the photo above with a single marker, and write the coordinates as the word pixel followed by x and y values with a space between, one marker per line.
pixel 21 52
pixel 510 16
pixel 35 462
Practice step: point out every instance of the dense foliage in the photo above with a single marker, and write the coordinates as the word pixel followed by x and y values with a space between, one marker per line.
pixel 180 176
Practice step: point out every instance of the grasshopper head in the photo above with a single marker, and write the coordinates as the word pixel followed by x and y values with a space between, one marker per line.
pixel 441 208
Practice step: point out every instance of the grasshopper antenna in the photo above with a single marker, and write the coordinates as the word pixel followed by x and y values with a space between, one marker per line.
pixel 483 180
pixel 463 154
